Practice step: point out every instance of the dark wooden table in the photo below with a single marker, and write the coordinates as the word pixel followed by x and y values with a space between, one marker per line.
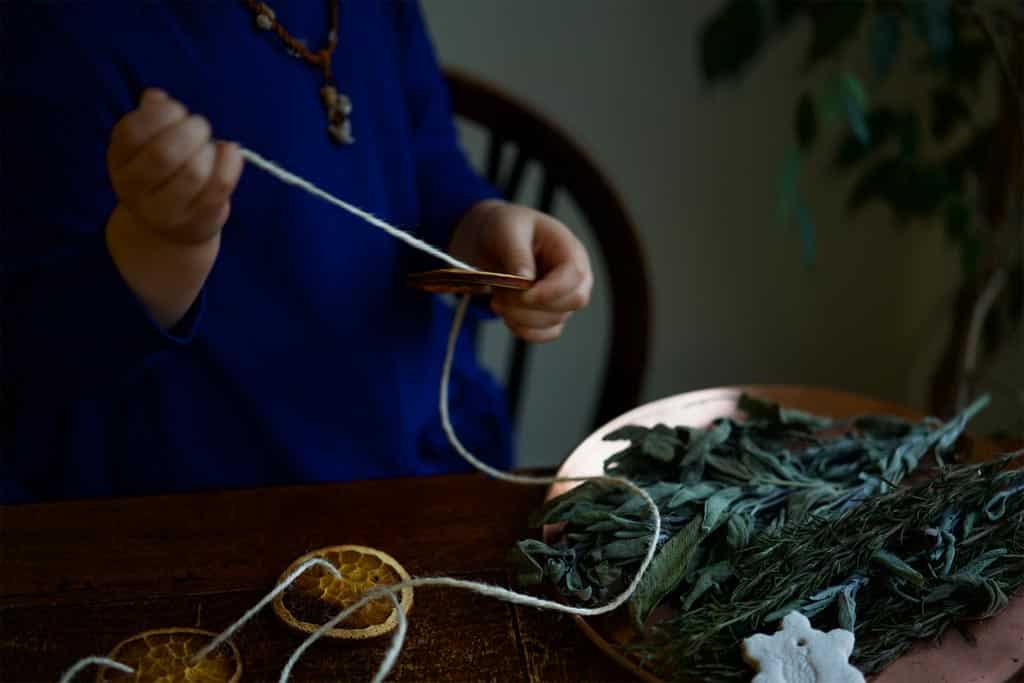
pixel 77 578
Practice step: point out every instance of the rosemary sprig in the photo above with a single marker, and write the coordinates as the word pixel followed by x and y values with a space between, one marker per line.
pixel 900 567
pixel 789 511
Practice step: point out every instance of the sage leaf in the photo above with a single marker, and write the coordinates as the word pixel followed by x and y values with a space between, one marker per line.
pixel 605 574
pixel 694 492
pixel 780 613
pixel 847 610
pixel 529 572
pixel 708 578
pixel 627 548
pixel 661 443
pixel 738 530
pixel 995 508
pixel 952 430
pixel 554 570
pixel 717 506
pixel 558 509
pixel 630 433
pixel 899 567
pixel 702 442
pixel 977 566
pixel 666 572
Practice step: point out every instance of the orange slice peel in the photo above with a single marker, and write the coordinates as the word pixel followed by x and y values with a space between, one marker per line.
pixel 316 595
pixel 166 656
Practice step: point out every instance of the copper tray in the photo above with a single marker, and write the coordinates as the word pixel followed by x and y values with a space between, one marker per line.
pixel 998 653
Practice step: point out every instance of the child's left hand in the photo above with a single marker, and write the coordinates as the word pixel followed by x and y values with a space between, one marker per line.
pixel 508 238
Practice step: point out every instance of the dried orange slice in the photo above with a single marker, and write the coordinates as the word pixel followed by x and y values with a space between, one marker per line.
pixel 316 596
pixel 165 656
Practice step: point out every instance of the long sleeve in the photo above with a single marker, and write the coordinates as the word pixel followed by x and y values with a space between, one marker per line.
pixel 73 332
pixel 304 358
pixel 73 325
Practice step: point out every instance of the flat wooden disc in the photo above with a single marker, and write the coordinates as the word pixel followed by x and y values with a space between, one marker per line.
pixel 459 281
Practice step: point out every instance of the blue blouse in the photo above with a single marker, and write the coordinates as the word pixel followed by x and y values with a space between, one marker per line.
pixel 305 358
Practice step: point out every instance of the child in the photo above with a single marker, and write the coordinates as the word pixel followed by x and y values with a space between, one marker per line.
pixel 172 322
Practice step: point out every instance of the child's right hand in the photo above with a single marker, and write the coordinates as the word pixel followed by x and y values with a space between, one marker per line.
pixel 169 174
pixel 173 185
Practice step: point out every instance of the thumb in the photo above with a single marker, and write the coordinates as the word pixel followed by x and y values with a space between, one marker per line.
pixel 519 261
pixel 515 250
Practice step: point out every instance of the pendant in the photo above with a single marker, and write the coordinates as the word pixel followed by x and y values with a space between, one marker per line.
pixel 337 107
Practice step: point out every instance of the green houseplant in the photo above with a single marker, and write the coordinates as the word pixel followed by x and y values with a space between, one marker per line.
pixel 932 163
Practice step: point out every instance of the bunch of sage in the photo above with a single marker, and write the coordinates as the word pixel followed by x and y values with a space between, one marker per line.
pixel 727 490
pixel 900 567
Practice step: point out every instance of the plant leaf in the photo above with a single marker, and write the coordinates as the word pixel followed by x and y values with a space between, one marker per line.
pixel 730 39
pixel 705 441
pixel 558 509
pixel 806 122
pixel 898 567
pixel 948 110
pixel 661 443
pixel 789 186
pixel 833 25
pixel 854 102
pixel 692 492
pixel 666 572
pixel 707 578
pixel 886 36
pixel 932 21
pixel 738 530
pixel 957 219
pixel 529 572
pixel 717 506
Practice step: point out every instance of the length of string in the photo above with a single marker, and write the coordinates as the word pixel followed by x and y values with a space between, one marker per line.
pixel 389 591
pixel 292 179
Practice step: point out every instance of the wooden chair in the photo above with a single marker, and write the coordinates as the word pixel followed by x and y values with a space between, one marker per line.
pixel 513 126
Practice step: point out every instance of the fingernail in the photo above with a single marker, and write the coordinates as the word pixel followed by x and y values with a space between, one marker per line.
pixel 153 95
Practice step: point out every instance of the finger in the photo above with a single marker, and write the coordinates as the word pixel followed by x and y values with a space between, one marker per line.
pixel 207 222
pixel 566 288
pixel 513 249
pixel 223 179
pixel 171 202
pixel 528 318
pixel 502 237
pixel 568 303
pixel 155 113
pixel 163 155
pixel 538 336
pixel 153 95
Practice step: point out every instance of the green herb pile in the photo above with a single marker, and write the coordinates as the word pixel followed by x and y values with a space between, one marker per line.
pixel 788 511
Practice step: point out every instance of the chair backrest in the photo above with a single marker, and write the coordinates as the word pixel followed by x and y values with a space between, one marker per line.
pixel 514 126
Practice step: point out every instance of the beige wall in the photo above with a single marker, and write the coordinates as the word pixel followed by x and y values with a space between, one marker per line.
pixel 698 170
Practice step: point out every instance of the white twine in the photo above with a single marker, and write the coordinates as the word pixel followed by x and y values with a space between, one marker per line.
pixel 393 650
pixel 89 661
pixel 230 630
pixel 477 587
pixel 292 179
pixel 227 633
pixel 498 592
